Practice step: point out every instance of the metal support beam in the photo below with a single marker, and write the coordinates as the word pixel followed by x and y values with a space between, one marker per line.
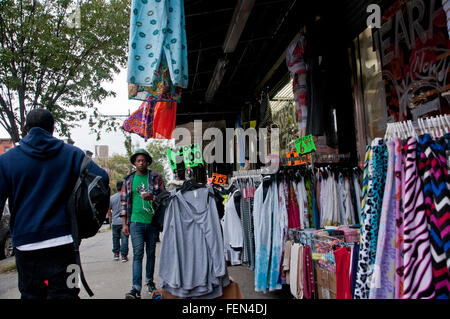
pixel 240 16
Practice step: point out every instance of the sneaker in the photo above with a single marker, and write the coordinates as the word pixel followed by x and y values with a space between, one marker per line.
pixel 151 287
pixel 116 256
pixel 133 294
pixel 124 259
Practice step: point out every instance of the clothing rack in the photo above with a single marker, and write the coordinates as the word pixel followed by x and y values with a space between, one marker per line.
pixel 436 126
pixel 330 158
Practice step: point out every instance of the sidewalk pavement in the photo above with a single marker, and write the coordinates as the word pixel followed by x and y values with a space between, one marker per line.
pixel 110 279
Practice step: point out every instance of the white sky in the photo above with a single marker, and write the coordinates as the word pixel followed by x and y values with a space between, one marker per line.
pixel 111 106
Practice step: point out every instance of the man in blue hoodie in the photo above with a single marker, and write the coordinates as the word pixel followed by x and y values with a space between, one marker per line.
pixel 38 177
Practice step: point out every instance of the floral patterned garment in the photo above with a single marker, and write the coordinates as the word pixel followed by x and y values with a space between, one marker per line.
pixel 141 121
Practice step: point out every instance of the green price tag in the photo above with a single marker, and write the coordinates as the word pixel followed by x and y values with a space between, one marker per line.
pixel 305 145
pixel 192 156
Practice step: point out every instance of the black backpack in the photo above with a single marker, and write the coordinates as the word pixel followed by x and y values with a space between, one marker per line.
pixel 88 206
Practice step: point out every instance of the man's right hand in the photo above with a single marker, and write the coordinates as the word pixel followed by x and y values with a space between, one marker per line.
pixel 126 230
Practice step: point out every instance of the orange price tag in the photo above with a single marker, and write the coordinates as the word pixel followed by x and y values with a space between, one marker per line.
pixel 219 179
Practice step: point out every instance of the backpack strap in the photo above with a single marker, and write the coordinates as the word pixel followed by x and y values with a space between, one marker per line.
pixel 74 224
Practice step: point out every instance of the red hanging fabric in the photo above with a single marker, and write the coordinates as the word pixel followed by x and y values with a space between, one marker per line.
pixel 164 120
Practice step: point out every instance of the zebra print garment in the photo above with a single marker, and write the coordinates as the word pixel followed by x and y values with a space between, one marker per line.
pixel 434 173
pixel 417 272
pixel 399 181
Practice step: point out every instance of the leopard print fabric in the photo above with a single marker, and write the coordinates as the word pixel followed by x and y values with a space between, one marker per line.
pixel 377 169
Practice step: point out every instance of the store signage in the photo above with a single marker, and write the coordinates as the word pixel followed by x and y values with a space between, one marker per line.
pixel 192 155
pixel 294 159
pixel 413 46
pixel 305 145
pixel 219 179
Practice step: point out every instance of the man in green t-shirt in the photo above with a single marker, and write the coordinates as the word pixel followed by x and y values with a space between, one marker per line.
pixel 138 192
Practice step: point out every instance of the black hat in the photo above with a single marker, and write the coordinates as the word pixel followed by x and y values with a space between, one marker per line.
pixel 141 151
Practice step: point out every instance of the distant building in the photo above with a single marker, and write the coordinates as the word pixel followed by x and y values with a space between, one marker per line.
pixel 5 145
pixel 102 151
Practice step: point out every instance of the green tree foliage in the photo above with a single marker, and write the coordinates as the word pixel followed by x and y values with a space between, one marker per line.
pixel 117 167
pixel 56 54
pixel 157 149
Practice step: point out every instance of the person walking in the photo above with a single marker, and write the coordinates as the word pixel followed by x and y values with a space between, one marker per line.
pixel 120 241
pixel 138 208
pixel 37 177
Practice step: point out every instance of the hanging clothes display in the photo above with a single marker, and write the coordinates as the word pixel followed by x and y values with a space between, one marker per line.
pixel 411 258
pixel 298 70
pixel 271 205
pixel 192 261
pixel 141 121
pixel 157 61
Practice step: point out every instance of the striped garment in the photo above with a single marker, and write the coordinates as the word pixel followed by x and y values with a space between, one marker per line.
pixel 399 181
pixel 434 173
pixel 417 274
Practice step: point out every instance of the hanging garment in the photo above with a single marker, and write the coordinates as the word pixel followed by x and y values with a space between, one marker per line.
pixel 262 215
pixel 141 121
pixel 308 273
pixel 293 207
pixel 399 222
pixel 232 232
pixel 287 260
pixel 342 258
pixel 164 120
pixel 277 242
pixel 342 199
pixel 299 274
pixel 355 262
pixel 434 173
pixel 162 89
pixel 293 216
pixel 191 262
pixel 383 279
pixel 284 224
pixel 307 192
pixel 357 197
pixel 365 185
pixel 416 246
pixel 157 60
pixel 371 218
pixel 298 70
pixel 293 267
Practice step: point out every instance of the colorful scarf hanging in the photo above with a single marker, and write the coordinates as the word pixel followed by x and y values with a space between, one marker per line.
pixel 141 121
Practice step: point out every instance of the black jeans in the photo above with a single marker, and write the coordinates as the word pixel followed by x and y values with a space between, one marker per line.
pixel 36 266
